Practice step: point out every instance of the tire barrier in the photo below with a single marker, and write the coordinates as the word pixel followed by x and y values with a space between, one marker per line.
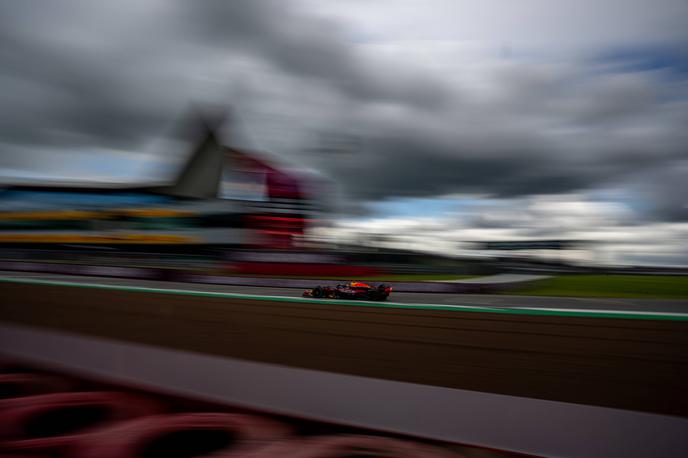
pixel 182 435
pixel 4 455
pixel 82 269
pixel 304 269
pixel 346 446
pixel 124 425
pixel 21 384
pixel 10 366
pixel 49 423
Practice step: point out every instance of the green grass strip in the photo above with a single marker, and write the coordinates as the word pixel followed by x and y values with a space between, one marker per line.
pixel 621 286
pixel 354 303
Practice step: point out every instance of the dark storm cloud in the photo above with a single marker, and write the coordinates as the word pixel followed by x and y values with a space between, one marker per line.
pixel 398 162
pixel 413 169
pixel 62 93
pixel 309 48
pixel 665 190
pixel 84 75
pixel 76 73
pixel 540 135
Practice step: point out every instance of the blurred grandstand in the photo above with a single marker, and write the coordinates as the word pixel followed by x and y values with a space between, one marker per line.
pixel 220 198
pixel 225 210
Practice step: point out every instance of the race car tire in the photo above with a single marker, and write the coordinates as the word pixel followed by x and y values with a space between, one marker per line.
pixel 50 423
pixel 8 366
pixel 382 291
pixel 183 434
pixel 318 292
pixel 347 446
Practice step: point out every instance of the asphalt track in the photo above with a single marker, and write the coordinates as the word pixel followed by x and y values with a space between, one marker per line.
pixel 632 366
pixel 478 300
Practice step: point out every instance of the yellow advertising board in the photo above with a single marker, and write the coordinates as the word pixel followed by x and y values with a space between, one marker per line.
pixel 99 238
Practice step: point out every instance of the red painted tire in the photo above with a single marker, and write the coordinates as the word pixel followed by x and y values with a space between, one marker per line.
pixel 20 385
pixel 21 455
pixel 9 365
pixel 52 422
pixel 188 434
pixel 346 446
pixel 2 455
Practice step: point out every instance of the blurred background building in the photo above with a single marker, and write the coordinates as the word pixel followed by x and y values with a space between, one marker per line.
pixel 220 197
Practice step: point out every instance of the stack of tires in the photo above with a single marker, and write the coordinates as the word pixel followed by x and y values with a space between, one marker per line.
pixel 19 384
pixel 49 416
pixel 183 435
pixel 50 424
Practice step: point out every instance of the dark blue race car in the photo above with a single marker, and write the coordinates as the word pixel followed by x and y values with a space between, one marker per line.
pixel 351 290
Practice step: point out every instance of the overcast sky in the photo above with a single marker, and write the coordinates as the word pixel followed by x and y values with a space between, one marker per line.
pixel 469 113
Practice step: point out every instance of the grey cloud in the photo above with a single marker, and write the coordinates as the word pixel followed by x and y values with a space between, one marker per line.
pixel 664 191
pixel 55 90
pixel 404 162
pixel 607 130
pixel 73 75
pixel 78 73
pixel 307 47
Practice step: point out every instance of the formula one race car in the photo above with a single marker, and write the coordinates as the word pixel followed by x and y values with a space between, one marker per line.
pixel 352 290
